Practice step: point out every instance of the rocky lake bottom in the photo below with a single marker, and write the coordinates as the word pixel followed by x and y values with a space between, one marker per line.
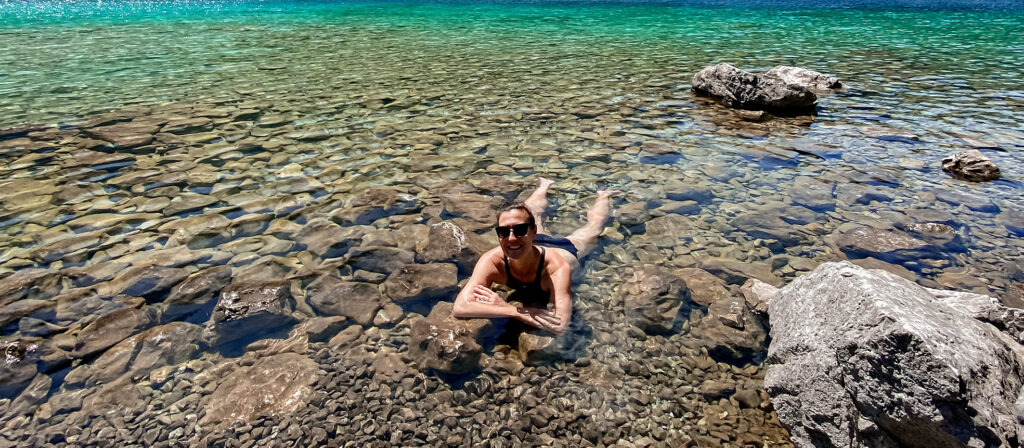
pixel 255 244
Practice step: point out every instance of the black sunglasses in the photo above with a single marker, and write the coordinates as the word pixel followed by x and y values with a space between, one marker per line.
pixel 519 229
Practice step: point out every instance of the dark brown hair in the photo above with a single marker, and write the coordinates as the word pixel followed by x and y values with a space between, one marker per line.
pixel 515 205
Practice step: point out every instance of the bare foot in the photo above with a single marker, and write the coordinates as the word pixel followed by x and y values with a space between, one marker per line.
pixel 607 193
pixel 545 183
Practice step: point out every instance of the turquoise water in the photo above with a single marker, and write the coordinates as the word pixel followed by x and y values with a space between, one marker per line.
pixel 142 143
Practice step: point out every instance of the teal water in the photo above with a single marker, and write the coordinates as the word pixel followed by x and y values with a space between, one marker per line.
pixel 145 142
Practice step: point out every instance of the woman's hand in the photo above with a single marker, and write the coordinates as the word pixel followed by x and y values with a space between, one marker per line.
pixel 484 294
pixel 545 319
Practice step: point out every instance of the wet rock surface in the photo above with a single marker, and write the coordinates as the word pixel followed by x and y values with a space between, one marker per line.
pixel 655 299
pixel 744 90
pixel 443 343
pixel 242 308
pixel 839 333
pixel 808 79
pixel 971 165
pixel 271 386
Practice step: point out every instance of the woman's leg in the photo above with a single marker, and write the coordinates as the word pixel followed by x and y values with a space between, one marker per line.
pixel 538 202
pixel 585 238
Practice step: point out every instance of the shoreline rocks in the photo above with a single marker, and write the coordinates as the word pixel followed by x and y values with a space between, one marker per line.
pixel 866 358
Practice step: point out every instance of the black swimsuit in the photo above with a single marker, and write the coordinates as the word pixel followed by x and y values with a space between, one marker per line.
pixel 530 290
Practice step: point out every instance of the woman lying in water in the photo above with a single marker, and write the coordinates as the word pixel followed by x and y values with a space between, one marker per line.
pixel 537 266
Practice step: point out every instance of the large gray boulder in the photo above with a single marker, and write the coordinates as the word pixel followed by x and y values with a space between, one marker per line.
pixel 866 358
pixel 744 90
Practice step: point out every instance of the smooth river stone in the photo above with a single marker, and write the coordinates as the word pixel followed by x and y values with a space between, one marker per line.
pixel 112 328
pixel 272 386
pixel 142 281
pixel 138 355
pixel 196 291
pixel 653 298
pixel 96 221
pixel 356 300
pixel 414 282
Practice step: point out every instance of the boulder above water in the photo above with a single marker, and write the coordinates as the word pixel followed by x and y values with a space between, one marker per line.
pixel 809 79
pixel 745 90
pixel 866 358
pixel 971 165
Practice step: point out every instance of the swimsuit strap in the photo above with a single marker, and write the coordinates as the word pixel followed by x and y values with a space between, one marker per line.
pixel 540 268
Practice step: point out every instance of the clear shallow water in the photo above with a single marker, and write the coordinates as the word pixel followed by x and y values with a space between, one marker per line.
pixel 251 121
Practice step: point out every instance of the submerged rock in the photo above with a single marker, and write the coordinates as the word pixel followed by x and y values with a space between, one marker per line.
pixel 971 165
pixel 744 90
pixel 356 300
pixel 437 281
pixel 17 367
pixel 731 332
pixel 274 385
pixel 165 345
pixel 196 291
pixel 447 344
pixel 536 347
pixel 653 299
pixel 247 309
pixel 112 328
pixel 866 241
pixel 446 242
pixel 866 358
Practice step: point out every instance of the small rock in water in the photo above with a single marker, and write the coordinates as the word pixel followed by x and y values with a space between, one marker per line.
pixel 971 165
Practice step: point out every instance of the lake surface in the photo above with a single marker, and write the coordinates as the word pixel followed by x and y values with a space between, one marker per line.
pixel 157 158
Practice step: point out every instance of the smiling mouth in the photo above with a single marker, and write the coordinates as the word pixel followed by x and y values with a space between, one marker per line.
pixel 516 247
